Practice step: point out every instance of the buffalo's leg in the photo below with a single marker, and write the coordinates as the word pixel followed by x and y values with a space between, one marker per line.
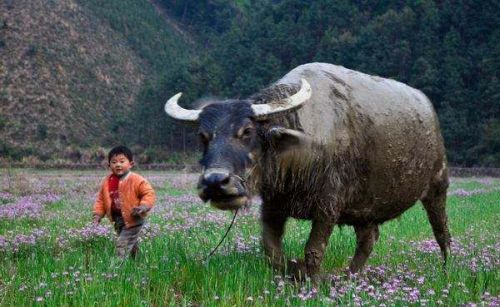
pixel 435 206
pixel 273 227
pixel 314 251
pixel 366 236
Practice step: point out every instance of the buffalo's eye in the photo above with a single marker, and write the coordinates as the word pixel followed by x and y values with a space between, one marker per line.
pixel 245 132
pixel 204 137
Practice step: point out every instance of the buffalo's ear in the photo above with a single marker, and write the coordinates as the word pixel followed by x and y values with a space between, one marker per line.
pixel 282 139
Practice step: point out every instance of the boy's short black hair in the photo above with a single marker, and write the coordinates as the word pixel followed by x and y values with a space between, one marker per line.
pixel 124 150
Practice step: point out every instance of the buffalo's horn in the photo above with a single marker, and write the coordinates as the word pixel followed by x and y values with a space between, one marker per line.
pixel 263 111
pixel 174 110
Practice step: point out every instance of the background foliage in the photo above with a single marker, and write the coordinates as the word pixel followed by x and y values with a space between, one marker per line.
pixel 448 49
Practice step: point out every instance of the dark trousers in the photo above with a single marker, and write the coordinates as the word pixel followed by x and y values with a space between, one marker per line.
pixel 126 243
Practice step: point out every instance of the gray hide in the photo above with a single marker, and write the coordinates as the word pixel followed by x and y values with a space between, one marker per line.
pixel 395 125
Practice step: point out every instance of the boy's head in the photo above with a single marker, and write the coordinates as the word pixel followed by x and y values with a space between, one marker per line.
pixel 120 160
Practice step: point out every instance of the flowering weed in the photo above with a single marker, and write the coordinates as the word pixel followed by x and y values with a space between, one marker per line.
pixel 52 255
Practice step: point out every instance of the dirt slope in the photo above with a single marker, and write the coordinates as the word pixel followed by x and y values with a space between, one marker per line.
pixel 65 77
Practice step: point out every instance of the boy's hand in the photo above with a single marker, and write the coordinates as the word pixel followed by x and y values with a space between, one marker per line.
pixel 139 211
pixel 97 220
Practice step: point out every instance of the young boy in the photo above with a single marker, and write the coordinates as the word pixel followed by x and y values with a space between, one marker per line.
pixel 125 198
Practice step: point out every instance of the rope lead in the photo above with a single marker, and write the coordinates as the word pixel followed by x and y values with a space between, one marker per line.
pixel 222 240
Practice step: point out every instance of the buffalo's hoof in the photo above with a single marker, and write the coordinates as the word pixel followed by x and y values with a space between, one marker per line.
pixel 297 270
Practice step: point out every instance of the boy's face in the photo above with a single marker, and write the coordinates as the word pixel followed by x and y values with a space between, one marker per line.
pixel 120 164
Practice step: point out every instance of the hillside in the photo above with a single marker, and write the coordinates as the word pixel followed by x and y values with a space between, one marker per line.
pixel 79 75
pixel 69 76
pixel 449 50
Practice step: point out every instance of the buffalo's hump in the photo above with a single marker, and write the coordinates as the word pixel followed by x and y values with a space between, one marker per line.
pixel 391 126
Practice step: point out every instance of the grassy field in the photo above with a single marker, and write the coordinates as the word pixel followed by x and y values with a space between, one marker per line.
pixel 51 255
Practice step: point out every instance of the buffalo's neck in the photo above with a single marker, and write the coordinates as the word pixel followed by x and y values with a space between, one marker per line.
pixel 306 180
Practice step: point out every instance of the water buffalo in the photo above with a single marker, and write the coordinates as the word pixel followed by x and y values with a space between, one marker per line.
pixel 327 144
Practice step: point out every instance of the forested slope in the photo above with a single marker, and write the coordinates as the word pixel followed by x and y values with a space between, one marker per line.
pixel 448 49
pixel 71 71
pixel 105 68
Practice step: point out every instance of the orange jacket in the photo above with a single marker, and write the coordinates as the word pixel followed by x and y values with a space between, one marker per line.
pixel 134 191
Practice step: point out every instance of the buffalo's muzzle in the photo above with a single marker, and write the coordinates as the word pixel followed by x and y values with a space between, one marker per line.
pixel 224 190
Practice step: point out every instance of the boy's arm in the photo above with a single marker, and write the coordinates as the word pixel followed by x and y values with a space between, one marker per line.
pixel 99 210
pixel 147 195
pixel 147 199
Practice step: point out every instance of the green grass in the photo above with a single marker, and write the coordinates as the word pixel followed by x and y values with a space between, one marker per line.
pixel 170 270
pixel 144 29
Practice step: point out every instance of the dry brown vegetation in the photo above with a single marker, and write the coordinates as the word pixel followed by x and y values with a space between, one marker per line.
pixel 66 77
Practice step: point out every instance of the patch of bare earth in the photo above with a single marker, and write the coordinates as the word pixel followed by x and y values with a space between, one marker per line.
pixel 64 74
